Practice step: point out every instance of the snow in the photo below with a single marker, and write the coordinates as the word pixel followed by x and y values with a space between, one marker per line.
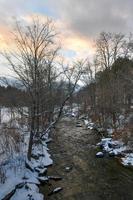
pixel 105 141
pixel 128 159
pixel 90 127
pixel 31 191
pixel 110 131
pixel 100 154
pixel 119 150
pixel 67 168
pixel 57 189
pixel 42 171
pixel 116 148
pixel 15 176
pixel 31 177
pixel 71 111
pixel 15 171
pixel 112 146
pixel 5 115
pixel 45 159
pixel 73 114
pixel 88 124
pixel 43 178
pixel 8 186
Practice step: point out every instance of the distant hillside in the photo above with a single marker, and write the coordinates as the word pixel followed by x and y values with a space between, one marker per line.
pixel 12 96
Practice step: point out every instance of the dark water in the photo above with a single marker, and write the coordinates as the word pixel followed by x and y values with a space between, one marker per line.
pixel 89 178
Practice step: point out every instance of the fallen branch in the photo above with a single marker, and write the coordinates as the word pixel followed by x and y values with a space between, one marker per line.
pixel 10 194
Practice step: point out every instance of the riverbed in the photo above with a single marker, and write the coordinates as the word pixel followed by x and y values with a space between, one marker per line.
pixel 84 177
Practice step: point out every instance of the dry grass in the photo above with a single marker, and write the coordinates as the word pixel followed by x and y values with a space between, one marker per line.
pixel 9 146
pixel 125 134
pixel 9 140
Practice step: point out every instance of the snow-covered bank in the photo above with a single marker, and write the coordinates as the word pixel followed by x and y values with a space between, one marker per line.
pixel 110 146
pixel 115 148
pixel 28 175
pixel 128 159
pixel 20 178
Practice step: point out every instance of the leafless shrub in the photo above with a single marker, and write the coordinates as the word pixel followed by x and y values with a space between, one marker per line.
pixel 2 175
pixel 9 141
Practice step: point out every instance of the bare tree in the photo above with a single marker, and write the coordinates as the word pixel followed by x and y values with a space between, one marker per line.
pixel 37 70
pixel 109 47
pixel 33 63
pixel 72 75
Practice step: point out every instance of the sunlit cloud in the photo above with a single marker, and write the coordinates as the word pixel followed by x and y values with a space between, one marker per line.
pixel 72 44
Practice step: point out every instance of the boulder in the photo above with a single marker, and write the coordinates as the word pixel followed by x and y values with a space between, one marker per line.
pixel 99 155
pixel 111 153
pixel 56 190
pixel 68 168
pixel 78 125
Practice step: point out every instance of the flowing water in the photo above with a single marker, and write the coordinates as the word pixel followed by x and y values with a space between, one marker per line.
pixel 85 177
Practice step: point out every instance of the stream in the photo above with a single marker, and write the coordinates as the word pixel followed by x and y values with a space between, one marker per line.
pixel 84 177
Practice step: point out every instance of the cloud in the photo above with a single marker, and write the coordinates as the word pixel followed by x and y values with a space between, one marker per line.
pixel 84 17
pixel 78 21
pixel 90 17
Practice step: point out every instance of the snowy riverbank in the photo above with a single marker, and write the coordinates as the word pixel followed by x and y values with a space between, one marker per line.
pixel 112 147
pixel 21 178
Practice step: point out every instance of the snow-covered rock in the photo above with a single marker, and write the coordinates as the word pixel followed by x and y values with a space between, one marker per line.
pixel 110 131
pixel 112 153
pixel 89 124
pixel 128 160
pixel 100 154
pixel 56 190
pixel 68 168
pixel 112 147
pixel 86 122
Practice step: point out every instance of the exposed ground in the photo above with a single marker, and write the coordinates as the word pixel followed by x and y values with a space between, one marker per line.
pixel 88 178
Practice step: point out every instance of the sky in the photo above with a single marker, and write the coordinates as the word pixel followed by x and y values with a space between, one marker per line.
pixel 79 22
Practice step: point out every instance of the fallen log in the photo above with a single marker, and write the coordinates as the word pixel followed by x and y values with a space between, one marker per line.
pixel 55 178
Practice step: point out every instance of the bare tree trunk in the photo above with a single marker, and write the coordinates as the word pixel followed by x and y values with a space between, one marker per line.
pixel 0 114
pixel 32 131
pixel 30 145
